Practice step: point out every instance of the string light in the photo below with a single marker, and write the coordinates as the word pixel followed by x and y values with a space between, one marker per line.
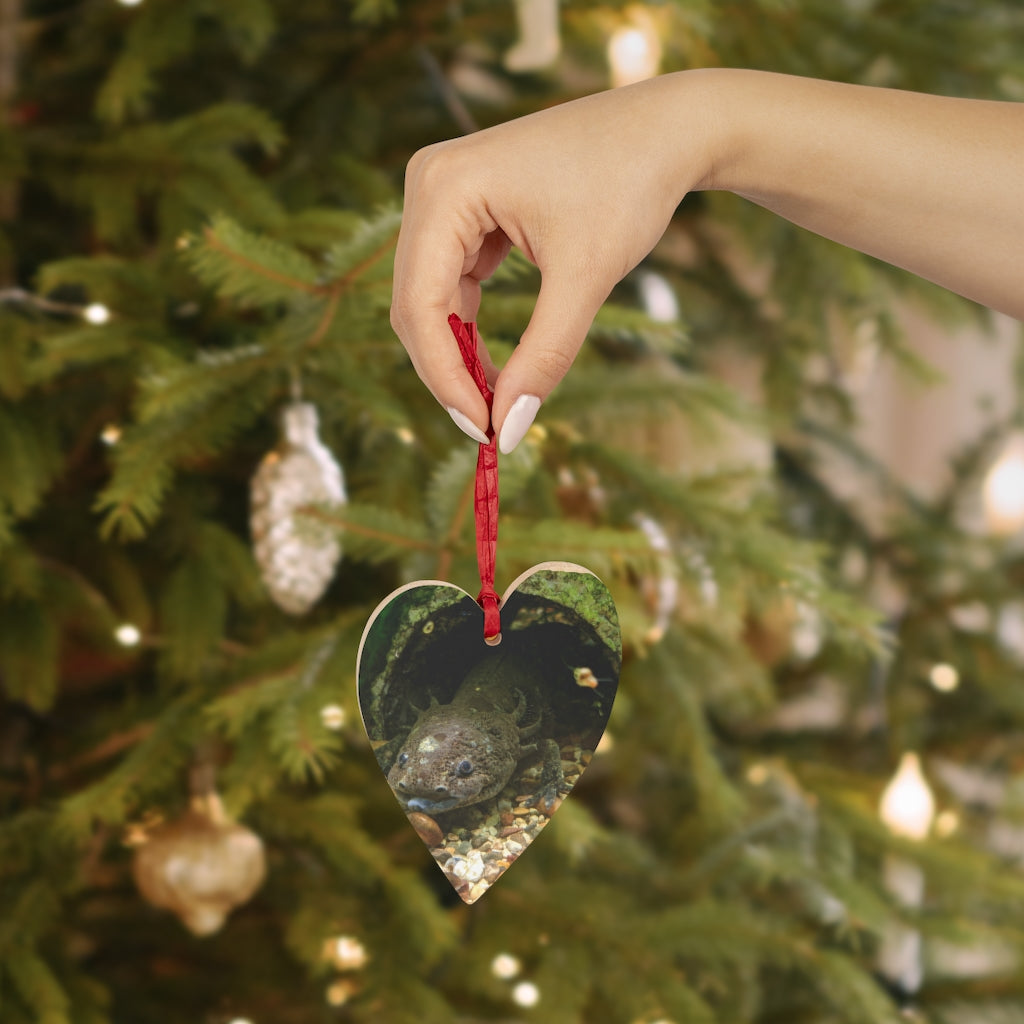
pixel 807 634
pixel 907 808
pixel 505 966
pixel 338 993
pixel 127 635
pixel 907 805
pixel 129 3
pixel 96 313
pixel 347 953
pixel 944 678
pixel 526 994
pixel 1003 490
pixel 332 716
pixel 634 51
pixel 110 434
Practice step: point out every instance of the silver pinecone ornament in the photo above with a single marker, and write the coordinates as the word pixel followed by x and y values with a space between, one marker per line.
pixel 296 555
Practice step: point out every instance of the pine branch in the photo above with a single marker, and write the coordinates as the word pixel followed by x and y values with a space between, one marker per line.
pixel 450 492
pixel 171 389
pixel 193 614
pixel 195 152
pixel 29 457
pixel 353 258
pixel 304 749
pixel 248 25
pixel 148 768
pixel 373 534
pixel 130 287
pixel 30 914
pixel 255 271
pixel 157 37
pixel 148 453
pixel 372 11
pixel 29 646
pixel 605 552
pixel 38 987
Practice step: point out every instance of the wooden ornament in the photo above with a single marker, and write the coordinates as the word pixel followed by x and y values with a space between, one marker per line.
pixel 480 743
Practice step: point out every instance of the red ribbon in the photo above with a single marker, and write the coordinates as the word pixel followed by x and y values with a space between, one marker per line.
pixel 485 492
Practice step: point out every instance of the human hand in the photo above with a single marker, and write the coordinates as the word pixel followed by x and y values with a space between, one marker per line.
pixel 928 183
pixel 584 189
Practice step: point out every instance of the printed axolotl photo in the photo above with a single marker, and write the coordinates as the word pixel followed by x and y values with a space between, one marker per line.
pixel 480 744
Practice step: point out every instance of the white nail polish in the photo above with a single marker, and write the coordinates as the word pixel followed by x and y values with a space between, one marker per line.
pixel 467 426
pixel 517 422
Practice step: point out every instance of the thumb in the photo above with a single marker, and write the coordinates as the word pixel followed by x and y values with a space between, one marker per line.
pixel 561 318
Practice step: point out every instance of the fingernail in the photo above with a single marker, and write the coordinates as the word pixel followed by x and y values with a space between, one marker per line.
pixel 517 422
pixel 467 426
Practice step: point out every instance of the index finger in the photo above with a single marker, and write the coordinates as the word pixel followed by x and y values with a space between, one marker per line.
pixel 430 282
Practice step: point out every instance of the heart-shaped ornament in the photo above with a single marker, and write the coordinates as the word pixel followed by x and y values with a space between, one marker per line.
pixel 481 741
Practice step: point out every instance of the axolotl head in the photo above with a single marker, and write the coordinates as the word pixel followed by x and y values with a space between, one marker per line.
pixel 453 757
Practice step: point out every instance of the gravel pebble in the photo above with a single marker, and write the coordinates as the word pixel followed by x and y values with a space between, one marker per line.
pixel 426 828
pixel 489 837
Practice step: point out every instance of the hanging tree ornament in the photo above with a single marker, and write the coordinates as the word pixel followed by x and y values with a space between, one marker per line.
pixel 200 866
pixel 481 733
pixel 296 555
pixel 539 39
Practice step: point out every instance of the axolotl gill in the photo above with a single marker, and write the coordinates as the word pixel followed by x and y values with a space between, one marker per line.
pixel 467 751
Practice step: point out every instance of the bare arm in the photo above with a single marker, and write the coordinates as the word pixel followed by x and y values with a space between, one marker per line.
pixel 932 184
pixel 929 183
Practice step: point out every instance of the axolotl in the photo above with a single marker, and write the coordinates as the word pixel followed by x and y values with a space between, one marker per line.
pixel 466 751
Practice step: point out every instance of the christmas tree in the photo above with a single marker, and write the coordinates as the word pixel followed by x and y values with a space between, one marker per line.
pixel 216 460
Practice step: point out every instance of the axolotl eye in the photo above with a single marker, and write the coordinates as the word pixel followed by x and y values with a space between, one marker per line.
pixel 464 768
pixel 403 758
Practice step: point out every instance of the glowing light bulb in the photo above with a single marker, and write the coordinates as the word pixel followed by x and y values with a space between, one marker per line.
pixel 110 434
pixel 332 716
pixel 129 3
pixel 526 994
pixel 944 678
pixel 347 953
pixel 505 966
pixel 1003 491
pixel 808 633
pixel 127 635
pixel 337 994
pixel 907 805
pixel 634 54
pixel 96 313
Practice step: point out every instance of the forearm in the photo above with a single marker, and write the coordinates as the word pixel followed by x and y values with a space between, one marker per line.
pixel 586 189
pixel 931 184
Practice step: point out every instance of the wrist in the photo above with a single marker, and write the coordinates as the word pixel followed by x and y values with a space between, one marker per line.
pixel 722 99
pixel 688 128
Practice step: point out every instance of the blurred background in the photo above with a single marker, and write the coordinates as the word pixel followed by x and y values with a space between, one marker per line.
pixel 800 472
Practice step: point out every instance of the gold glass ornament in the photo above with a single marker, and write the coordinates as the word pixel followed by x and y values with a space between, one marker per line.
pixel 200 866
pixel 296 556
